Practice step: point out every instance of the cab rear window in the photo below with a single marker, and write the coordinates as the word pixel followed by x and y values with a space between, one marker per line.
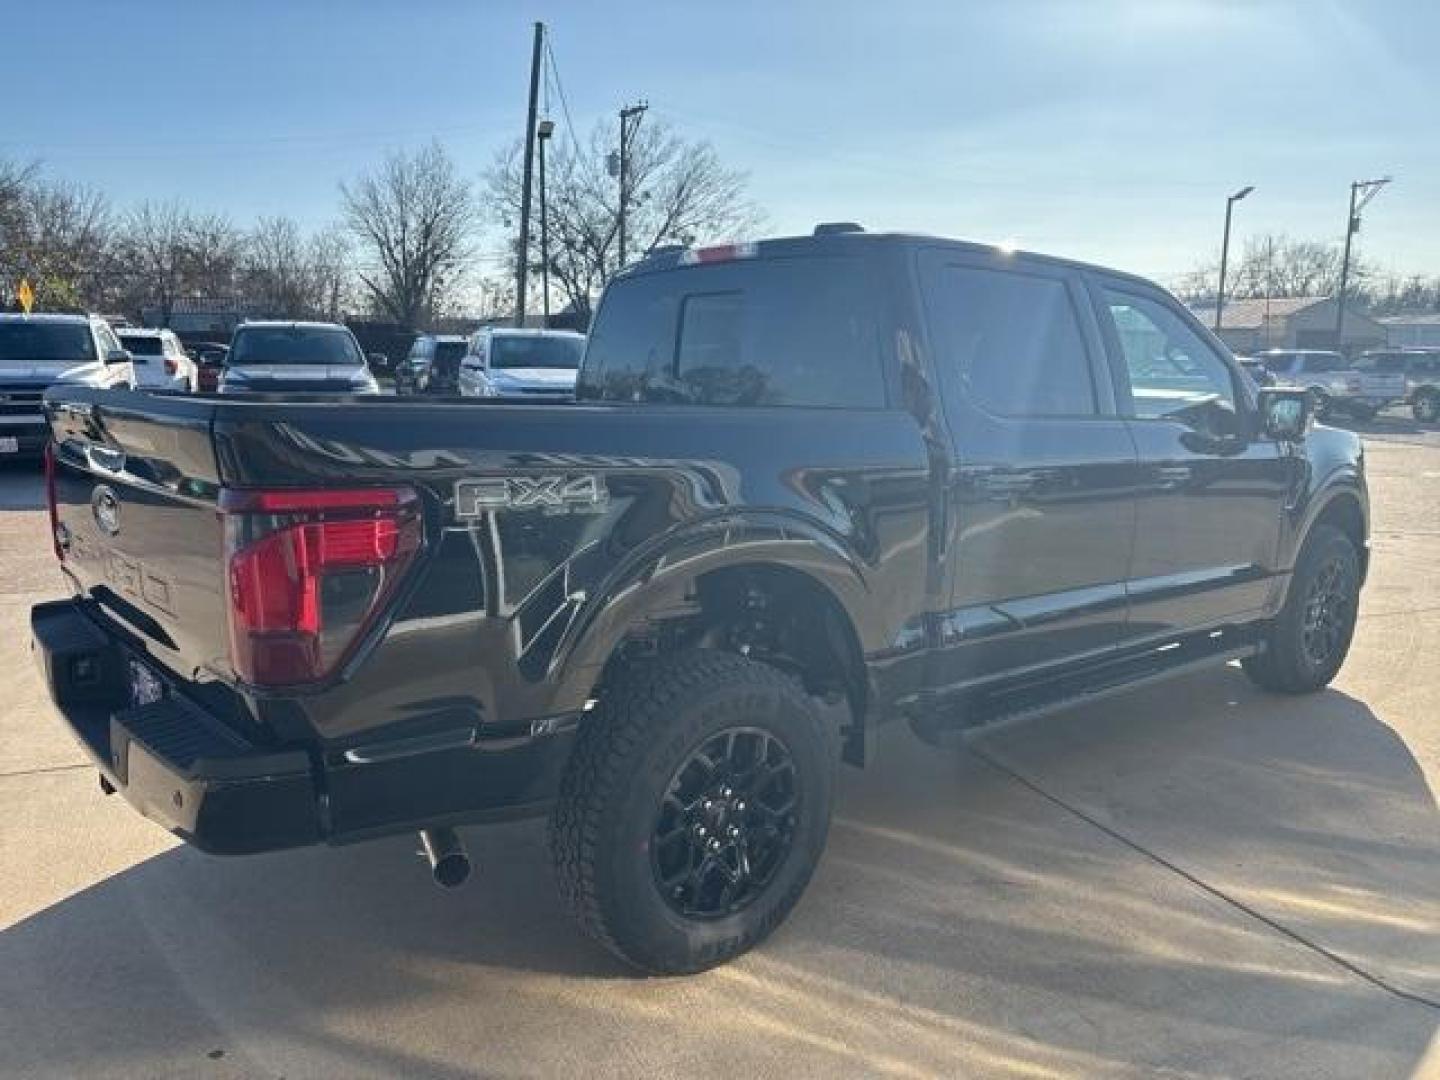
pixel 142 344
pixel 789 332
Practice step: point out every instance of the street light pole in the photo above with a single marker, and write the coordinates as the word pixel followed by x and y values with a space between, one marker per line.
pixel 1225 251
pixel 626 114
pixel 522 261
pixel 1361 192
pixel 546 129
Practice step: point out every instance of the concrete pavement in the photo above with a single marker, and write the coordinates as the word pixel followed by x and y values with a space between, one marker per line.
pixel 1195 880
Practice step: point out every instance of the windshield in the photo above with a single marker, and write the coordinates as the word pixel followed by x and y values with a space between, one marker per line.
pixel 449 352
pixel 45 342
pixel 293 345
pixel 535 352
pixel 142 344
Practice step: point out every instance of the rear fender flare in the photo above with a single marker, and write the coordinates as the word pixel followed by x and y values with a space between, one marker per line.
pixel 661 580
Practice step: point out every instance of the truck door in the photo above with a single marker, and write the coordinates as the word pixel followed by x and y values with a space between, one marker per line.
pixel 1211 499
pixel 1042 495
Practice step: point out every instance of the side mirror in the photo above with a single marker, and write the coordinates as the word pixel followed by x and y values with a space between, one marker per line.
pixel 119 356
pixel 1285 415
pixel 378 359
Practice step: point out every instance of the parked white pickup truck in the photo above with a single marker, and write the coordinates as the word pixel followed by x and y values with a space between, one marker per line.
pixel 1337 385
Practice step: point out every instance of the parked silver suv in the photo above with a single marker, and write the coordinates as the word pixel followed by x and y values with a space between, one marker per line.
pixel 1336 384
pixel 296 357
pixel 1420 368
pixel 536 365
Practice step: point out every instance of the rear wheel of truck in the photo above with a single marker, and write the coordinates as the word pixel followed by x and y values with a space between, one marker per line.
pixel 693 811
pixel 1426 406
pixel 1306 644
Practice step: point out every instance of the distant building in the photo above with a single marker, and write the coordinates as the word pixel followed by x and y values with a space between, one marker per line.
pixel 1308 322
pixel 1412 331
pixel 204 318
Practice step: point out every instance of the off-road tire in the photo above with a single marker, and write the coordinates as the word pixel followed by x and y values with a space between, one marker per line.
pixel 1284 664
pixel 1425 407
pixel 649 722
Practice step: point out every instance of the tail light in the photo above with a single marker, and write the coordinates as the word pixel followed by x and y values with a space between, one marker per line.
pixel 171 366
pixel 307 572
pixel 1353 385
pixel 50 500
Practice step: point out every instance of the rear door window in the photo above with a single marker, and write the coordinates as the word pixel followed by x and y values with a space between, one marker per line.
pixel 1010 341
pixel 799 331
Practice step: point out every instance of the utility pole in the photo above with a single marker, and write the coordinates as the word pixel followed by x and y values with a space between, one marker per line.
pixel 1361 192
pixel 626 130
pixel 1225 251
pixel 547 128
pixel 523 260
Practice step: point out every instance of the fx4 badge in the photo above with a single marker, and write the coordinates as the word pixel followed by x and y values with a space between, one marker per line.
pixel 555 494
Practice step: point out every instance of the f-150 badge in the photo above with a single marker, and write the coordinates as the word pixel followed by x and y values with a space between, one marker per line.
pixel 557 493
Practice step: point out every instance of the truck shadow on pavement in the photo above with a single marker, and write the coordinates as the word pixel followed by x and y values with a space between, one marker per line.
pixel 1014 908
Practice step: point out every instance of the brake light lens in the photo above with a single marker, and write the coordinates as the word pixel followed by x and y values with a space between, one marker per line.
pixel 307 572
pixel 50 500
pixel 718 254
pixel 171 366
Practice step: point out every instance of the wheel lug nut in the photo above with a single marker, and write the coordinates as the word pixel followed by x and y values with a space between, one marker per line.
pixel 725 793
pixel 733 832
pixel 708 804
pixel 740 806
pixel 700 831
pixel 714 845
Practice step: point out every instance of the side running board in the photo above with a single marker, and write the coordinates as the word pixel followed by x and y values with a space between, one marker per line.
pixel 950 719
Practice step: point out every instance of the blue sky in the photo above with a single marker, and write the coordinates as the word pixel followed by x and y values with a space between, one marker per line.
pixel 1105 129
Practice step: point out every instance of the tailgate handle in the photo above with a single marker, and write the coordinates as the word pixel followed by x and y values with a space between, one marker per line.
pixel 111 461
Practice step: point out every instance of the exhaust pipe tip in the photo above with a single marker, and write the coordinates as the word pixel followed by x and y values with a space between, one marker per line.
pixel 449 864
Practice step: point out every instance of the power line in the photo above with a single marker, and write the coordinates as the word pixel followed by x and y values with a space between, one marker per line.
pixel 554 69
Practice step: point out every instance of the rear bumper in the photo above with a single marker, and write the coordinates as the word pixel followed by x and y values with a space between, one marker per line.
pixel 29 438
pixel 183 768
pixel 174 763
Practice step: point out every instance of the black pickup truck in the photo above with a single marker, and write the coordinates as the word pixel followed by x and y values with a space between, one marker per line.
pixel 807 485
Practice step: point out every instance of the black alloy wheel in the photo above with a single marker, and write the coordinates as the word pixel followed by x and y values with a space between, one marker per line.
pixel 725 823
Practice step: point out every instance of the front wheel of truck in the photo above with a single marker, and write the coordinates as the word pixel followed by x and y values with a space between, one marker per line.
pixel 693 811
pixel 1306 644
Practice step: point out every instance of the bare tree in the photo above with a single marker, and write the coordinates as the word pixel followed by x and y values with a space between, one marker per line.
pixel 16 182
pixel 1394 294
pixel 214 249
pixel 274 269
pixel 679 193
pixel 155 248
pixel 329 258
pixel 63 242
pixel 294 276
pixel 414 219
pixel 1280 266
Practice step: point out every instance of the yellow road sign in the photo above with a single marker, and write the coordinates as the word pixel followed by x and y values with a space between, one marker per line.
pixel 26 295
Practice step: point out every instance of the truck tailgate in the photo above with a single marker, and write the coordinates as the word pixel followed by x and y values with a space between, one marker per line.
pixel 135 485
